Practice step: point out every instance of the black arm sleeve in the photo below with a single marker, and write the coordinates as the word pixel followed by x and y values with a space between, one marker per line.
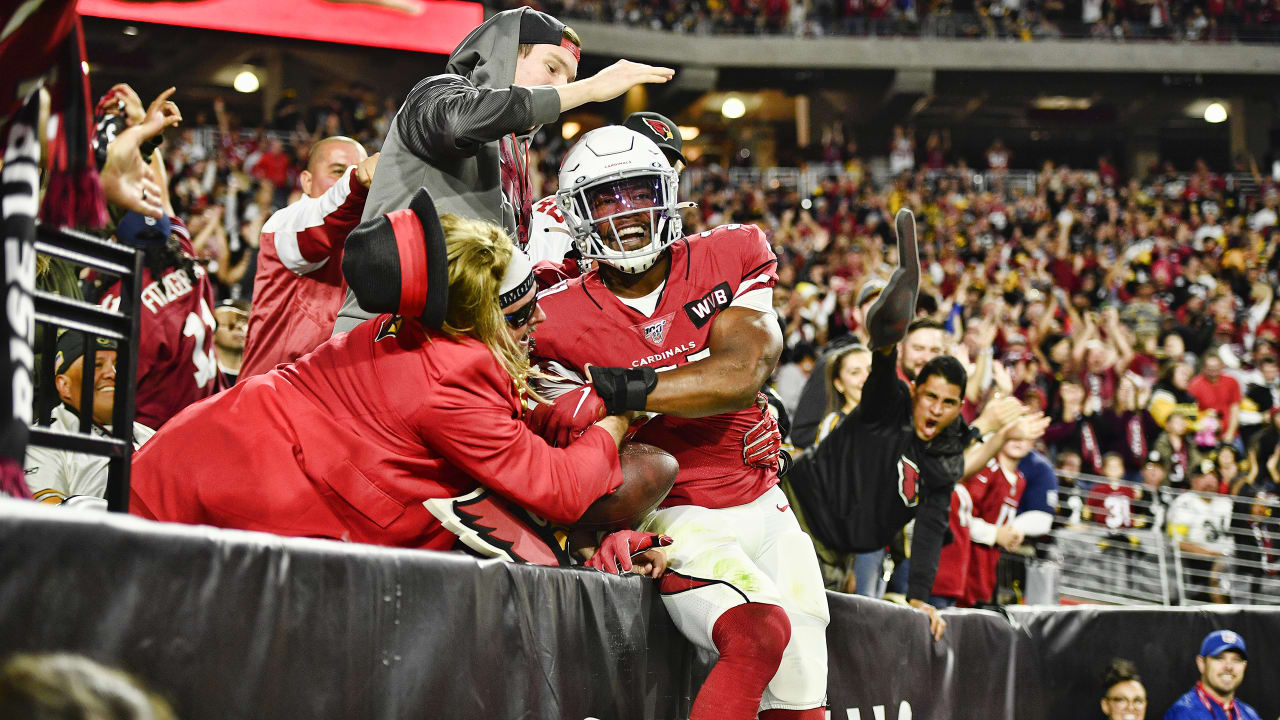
pixel 445 116
pixel 884 394
pixel 926 543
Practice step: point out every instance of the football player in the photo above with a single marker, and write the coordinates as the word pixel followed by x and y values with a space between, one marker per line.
pixel 551 246
pixel 684 328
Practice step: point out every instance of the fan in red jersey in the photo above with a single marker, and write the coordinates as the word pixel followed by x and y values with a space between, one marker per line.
pixel 176 361
pixel 684 327
pixel 996 491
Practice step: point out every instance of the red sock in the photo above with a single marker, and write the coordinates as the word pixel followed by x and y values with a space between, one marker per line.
pixel 810 714
pixel 750 638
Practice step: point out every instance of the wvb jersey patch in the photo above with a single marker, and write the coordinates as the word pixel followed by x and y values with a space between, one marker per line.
pixel 654 331
pixel 701 311
pixel 908 482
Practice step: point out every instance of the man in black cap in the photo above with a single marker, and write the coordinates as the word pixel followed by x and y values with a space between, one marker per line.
pixel 464 135
pixel 63 476
pixel 550 245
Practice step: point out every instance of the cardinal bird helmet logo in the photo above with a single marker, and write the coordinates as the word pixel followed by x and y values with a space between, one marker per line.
pixel 660 129
pixel 908 482
pixel 390 328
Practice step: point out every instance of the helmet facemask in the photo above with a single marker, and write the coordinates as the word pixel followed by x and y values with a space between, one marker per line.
pixel 603 215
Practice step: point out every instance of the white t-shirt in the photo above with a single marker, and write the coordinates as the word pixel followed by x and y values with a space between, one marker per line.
pixel 55 475
pixel 1264 218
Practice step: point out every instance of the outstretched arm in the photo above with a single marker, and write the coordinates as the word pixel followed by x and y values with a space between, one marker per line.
pixel 744 346
pixel 446 116
pixel 926 547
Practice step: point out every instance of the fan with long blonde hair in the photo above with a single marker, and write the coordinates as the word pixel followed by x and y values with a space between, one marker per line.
pixel 478 253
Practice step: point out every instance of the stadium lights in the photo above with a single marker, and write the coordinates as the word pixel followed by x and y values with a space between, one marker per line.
pixel 1062 102
pixel 1215 113
pixel 246 81
pixel 733 108
pixel 569 129
pixel 689 132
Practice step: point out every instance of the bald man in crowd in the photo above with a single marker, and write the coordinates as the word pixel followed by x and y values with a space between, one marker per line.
pixel 299 286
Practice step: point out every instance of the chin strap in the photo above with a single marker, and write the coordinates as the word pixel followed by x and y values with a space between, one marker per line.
pixel 623 389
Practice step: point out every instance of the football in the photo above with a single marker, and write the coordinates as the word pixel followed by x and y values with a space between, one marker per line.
pixel 647 476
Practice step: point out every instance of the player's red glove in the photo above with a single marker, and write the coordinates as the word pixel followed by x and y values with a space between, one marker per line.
pixel 762 443
pixel 615 551
pixel 567 417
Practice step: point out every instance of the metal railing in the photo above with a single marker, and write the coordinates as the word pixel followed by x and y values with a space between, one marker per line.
pixel 121 325
pixel 1110 547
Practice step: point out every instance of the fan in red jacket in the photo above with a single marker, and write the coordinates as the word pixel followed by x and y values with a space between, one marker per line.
pixel 299 286
pixel 354 440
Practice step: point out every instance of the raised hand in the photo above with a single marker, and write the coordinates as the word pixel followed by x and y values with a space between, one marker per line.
pixel 623 75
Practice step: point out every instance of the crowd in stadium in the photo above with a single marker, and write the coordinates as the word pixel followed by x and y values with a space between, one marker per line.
pixel 1137 313
pixel 1211 21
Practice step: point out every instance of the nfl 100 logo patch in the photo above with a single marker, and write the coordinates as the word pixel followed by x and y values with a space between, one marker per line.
pixel 654 331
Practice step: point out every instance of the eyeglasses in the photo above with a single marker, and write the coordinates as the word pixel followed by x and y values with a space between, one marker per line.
pixel 1131 702
pixel 520 317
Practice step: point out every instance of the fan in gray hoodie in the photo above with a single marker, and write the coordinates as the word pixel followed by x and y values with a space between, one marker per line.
pixel 464 135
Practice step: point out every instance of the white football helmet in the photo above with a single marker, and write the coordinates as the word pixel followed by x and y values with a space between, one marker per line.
pixel 612 174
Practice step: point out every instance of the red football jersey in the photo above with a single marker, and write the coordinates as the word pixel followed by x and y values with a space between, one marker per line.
pixel 1111 506
pixel 176 362
pixel 953 562
pixel 995 493
pixel 587 323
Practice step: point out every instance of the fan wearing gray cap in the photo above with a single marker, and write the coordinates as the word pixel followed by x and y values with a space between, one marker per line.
pixel 422 403
pixel 1221 662
pixel 550 241
pixel 464 134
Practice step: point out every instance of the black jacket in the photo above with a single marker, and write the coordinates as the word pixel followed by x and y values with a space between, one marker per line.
pixel 872 475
